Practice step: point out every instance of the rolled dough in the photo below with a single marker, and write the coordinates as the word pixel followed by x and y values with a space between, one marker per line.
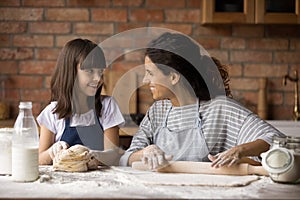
pixel 186 179
pixel 196 179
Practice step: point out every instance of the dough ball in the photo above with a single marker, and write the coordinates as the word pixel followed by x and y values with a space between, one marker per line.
pixel 74 159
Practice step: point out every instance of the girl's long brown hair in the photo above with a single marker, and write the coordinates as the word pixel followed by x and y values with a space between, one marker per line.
pixel 77 51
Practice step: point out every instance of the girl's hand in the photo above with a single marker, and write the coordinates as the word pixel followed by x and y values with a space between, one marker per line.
pixel 110 157
pixel 154 157
pixel 230 157
pixel 57 147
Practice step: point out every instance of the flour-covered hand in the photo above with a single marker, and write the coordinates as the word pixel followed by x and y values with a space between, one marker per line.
pixel 155 158
pixel 57 147
pixel 229 157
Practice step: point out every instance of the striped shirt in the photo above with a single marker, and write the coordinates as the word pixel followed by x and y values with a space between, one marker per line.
pixel 224 122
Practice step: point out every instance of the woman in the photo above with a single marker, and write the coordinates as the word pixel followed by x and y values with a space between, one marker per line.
pixel 78 113
pixel 192 119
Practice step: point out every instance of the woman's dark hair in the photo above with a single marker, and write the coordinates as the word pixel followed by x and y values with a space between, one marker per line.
pixel 180 53
pixel 225 76
pixel 77 51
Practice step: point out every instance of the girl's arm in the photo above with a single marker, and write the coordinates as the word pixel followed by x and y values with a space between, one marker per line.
pixel 111 138
pixel 111 154
pixel 47 139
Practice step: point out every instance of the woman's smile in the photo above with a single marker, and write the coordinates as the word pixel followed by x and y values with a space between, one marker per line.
pixel 159 83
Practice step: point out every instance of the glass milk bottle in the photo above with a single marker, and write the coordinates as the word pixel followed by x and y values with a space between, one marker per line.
pixel 25 144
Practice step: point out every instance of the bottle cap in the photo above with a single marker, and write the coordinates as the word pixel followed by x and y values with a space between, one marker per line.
pixel 26 104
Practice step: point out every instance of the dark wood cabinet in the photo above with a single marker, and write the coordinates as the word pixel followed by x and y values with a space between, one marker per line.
pixel 277 11
pixel 250 11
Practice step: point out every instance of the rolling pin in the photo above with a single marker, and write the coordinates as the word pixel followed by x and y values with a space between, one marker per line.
pixel 262 104
pixel 205 168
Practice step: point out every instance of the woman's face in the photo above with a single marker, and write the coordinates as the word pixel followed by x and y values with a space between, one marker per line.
pixel 159 83
pixel 89 80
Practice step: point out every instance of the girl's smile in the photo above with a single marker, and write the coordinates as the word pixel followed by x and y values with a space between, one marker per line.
pixel 89 80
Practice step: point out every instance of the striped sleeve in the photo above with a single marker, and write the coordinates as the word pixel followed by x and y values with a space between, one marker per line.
pixel 227 124
pixel 254 128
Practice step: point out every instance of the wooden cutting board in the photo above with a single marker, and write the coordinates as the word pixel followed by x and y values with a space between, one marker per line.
pixel 205 168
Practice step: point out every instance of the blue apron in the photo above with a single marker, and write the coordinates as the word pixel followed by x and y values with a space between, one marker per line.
pixel 90 136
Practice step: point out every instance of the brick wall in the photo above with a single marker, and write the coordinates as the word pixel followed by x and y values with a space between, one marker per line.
pixel 32 32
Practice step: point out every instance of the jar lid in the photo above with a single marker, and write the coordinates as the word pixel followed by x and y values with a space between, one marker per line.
pixel 277 160
pixel 5 136
pixel 279 141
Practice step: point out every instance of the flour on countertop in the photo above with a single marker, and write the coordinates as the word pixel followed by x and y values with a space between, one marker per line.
pixel 120 182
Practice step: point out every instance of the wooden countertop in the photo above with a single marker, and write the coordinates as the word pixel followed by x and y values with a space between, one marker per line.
pixel 125 182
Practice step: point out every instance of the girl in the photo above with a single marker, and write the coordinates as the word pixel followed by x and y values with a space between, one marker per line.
pixel 192 118
pixel 78 113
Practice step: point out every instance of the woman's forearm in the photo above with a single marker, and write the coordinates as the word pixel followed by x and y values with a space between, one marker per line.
pixel 240 153
pixel 254 148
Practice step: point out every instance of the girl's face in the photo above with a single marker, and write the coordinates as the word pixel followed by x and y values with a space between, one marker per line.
pixel 89 80
pixel 159 83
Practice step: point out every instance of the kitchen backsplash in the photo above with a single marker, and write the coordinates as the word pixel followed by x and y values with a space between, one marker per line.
pixel 32 34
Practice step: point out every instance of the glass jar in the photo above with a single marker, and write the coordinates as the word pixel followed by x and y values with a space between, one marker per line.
pixel 278 142
pixel 5 150
pixel 282 161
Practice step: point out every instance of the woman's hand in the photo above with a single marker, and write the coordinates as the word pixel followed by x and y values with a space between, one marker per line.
pixel 57 147
pixel 154 157
pixel 230 157
pixel 240 153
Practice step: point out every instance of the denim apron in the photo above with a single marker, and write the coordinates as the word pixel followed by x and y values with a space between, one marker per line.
pixel 90 136
pixel 185 144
